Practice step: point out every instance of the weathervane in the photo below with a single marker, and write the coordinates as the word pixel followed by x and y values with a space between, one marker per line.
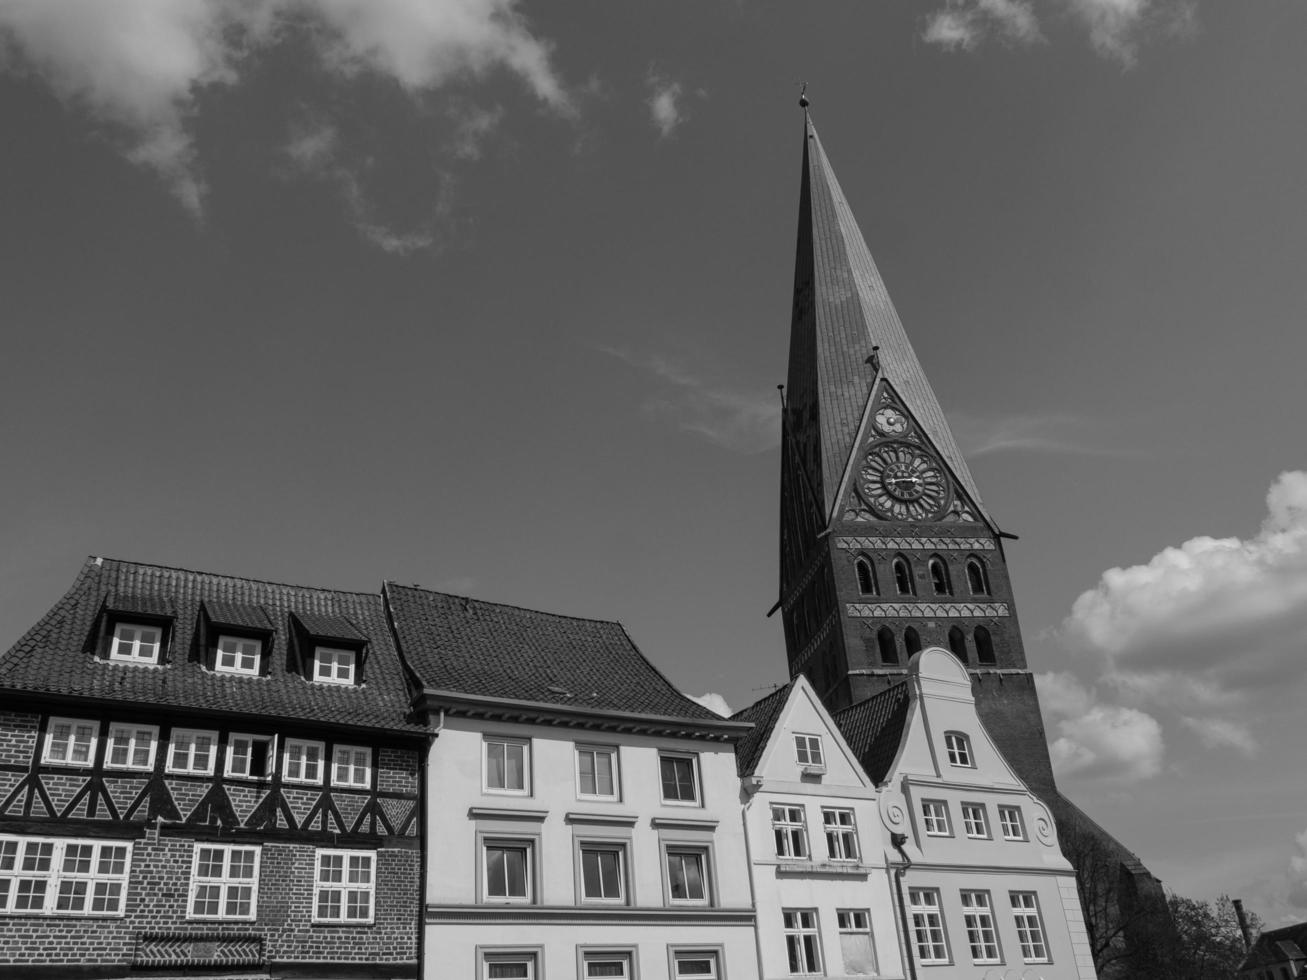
pixel 803 96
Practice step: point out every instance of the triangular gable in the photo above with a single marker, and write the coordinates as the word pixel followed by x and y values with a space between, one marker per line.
pixel 804 714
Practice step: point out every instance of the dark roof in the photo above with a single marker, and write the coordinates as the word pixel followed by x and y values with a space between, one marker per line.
pixel 467 646
pixel 1282 945
pixel 54 657
pixel 762 714
pixel 874 727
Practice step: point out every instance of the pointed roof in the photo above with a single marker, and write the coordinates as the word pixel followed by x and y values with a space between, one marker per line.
pixel 841 311
pixel 762 714
pixel 874 728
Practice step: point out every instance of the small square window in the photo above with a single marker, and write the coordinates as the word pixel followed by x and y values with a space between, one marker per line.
pixel 807 750
pixel 333 666
pixel 131 747
pixel 224 882
pixel 508 766
pixel 934 816
pixel 1009 818
pixel 508 870
pixel 135 643
pixel 250 756
pixel 606 964
pixel 974 820
pixel 70 742
pixel 603 873
pixel 192 752
pixel 698 964
pixel 679 778
pixel 687 875
pixel 345 886
pixel 596 772
pixel 509 966
pixel 302 761
pixel 790 831
pixel 959 749
pixel 238 655
pixel 351 766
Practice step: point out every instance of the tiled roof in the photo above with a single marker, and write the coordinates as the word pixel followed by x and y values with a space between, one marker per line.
pixel 874 727
pixel 485 649
pixel 762 714
pixel 53 657
pixel 1274 946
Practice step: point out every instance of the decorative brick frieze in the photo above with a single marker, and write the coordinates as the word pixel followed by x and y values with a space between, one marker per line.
pixel 898 543
pixel 927 610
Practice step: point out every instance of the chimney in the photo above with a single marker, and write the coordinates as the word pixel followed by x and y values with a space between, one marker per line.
pixel 1243 923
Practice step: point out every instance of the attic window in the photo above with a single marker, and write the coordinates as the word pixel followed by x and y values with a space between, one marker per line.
pixel 332 665
pixel 959 749
pixel 136 643
pixel 238 655
pixel 807 749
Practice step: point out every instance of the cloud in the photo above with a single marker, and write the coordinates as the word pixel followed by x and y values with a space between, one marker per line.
pixel 964 24
pixel 1297 873
pixel 1096 740
pixel 743 422
pixel 665 103
pixel 713 702
pixel 1220 733
pixel 140 68
pixel 980 435
pixel 1117 27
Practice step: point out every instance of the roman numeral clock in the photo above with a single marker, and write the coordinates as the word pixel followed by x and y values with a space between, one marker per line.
pixel 898 480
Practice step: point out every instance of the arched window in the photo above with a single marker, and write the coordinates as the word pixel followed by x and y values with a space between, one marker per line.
pixel 977 577
pixel 984 646
pixel 959 749
pixel 903 576
pixel 911 641
pixel 866 576
pixel 957 642
pixel 889 650
pixel 939 579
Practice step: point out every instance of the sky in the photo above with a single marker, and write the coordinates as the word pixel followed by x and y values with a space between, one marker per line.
pixel 494 299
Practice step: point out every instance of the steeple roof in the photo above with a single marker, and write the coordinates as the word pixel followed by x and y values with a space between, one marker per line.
pixel 841 311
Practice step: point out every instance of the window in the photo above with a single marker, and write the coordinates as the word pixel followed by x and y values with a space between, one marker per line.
pixel 70 742
pixel 889 649
pixel 249 756
pixel 903 576
pixel 984 646
pixel 974 820
pixel 192 752
pixel 302 761
pixel 939 578
pixel 131 747
pixel 508 871
pixel 866 576
pixel 680 784
pixel 136 644
pixel 1030 927
pixel 508 762
pixel 841 834
pixel 807 749
pixel 791 834
pixel 855 942
pixel 934 815
pixel 603 873
pixel 957 643
pixel 351 766
pixel 958 747
pixel 596 772
pixel 238 655
pixel 911 641
pixel 333 666
pixel 606 964
pixel 977 577
pixel 56 876
pixel 509 966
pixel 687 875
pixel 978 918
pixel 346 883
pixel 802 942
pixel 1009 818
pixel 699 964
pixel 224 882
pixel 927 926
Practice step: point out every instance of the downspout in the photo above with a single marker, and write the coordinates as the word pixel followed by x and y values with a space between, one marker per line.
pixel 898 840
pixel 750 785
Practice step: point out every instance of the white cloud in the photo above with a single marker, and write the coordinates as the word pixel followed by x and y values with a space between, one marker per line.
pixel 1095 740
pixel 713 702
pixel 980 435
pixel 964 24
pixel 666 103
pixel 1221 733
pixel 1117 27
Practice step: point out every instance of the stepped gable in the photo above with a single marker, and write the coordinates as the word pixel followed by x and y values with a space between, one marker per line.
pixel 874 728
pixel 463 646
pixel 56 657
pixel 762 714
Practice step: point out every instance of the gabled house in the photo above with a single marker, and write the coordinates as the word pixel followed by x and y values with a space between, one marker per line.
pixel 205 774
pixel 1278 954
pixel 981 886
pixel 583 816
pixel 816 844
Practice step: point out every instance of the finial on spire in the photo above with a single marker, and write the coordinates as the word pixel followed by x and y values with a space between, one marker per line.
pixel 803 96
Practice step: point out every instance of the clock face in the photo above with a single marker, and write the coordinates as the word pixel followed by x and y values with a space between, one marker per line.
pixel 891 422
pixel 902 483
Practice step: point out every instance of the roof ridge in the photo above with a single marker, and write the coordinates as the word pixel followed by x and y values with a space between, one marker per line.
pixel 388 583
pixel 97 559
pixel 765 698
pixel 867 700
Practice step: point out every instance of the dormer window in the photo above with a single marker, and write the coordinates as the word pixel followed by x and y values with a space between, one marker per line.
pixel 958 747
pixel 238 655
pixel 332 665
pixel 136 643
pixel 807 749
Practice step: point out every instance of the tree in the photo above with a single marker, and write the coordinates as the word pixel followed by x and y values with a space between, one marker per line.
pixel 1208 941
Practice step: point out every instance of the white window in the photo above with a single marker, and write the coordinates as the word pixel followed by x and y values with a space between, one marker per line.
pixel 345 887
pixel 238 655
pixel 855 942
pixel 192 751
pixel 250 756
pixel 934 816
pixel 508 766
pixel 841 834
pixel 1009 818
pixel 974 820
pixel 302 761
pixel 603 873
pixel 508 966
pixel 70 742
pixel 958 747
pixel 927 926
pixel 351 766
pixel 615 964
pixel 333 666
pixel 802 942
pixel 131 747
pixel 1030 927
pixel 687 875
pixel 508 872
pixel 807 749
pixel 978 917
pixel 791 833
pixel 680 779
pixel 596 772
pixel 136 644
pixel 699 964
pixel 57 876
pixel 224 882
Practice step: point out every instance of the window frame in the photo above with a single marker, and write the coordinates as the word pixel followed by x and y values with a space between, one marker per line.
pixel 977 920
pixel 807 926
pixel 604 845
pixel 1024 938
pixel 223 882
pixel 132 731
pixel 787 830
pixel 847 832
pixel 803 744
pixel 319 886
pixel 614 771
pixel 904 583
pixel 130 624
pixel 505 740
pixel 332 674
pixel 957 748
pixel 336 764
pixel 303 744
pixel 941 582
pixel 1006 810
pixel 936 818
pixel 238 655
pixel 588 954
pixel 715 955
pixel 864 573
pixel 927 910
pixel 92 745
pixel 853 929
pixel 976 830
pixel 230 754
pixel 696 782
pixel 214 749
pixel 97 883
pixel 703 852
pixel 531 956
pixel 530 846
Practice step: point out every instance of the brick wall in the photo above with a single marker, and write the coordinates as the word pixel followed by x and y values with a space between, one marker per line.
pixel 398 770
pixel 18 737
